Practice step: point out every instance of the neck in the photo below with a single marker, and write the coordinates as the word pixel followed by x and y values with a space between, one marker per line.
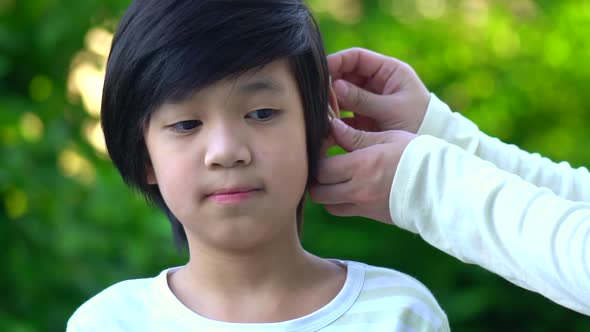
pixel 275 263
pixel 274 282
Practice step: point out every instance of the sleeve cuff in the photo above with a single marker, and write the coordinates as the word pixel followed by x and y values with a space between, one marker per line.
pixel 436 117
pixel 408 169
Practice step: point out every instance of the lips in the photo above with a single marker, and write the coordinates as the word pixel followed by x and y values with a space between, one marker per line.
pixel 232 191
pixel 233 195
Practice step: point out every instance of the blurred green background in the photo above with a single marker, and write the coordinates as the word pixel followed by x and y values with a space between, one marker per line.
pixel 69 227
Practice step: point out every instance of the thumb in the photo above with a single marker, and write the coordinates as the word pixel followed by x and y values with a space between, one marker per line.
pixel 351 139
pixel 360 101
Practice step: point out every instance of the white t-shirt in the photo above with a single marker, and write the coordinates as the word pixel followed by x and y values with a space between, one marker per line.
pixel 486 202
pixel 372 299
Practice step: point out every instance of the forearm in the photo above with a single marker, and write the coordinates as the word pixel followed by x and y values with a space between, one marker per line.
pixel 562 179
pixel 480 214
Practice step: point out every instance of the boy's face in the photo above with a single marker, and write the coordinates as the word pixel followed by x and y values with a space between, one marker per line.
pixel 231 162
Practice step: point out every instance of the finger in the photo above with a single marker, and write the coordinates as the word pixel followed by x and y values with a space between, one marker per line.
pixel 330 193
pixel 343 210
pixel 360 101
pixel 387 80
pixel 376 68
pixel 380 86
pixel 351 139
pixel 336 169
pixel 354 60
pixel 354 79
pixel 388 77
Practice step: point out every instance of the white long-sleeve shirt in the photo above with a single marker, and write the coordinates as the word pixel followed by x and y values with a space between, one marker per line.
pixel 489 203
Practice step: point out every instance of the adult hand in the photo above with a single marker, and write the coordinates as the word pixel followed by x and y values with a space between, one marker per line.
pixel 384 93
pixel 358 183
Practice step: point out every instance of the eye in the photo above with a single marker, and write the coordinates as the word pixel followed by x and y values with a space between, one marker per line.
pixel 263 114
pixel 186 126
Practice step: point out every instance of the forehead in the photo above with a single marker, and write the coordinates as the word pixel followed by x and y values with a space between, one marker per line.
pixel 272 79
pixel 276 72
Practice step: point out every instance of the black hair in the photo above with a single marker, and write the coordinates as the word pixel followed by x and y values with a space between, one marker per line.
pixel 167 50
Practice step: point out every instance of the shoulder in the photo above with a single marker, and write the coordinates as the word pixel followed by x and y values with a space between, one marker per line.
pixel 129 298
pixel 400 297
pixel 380 277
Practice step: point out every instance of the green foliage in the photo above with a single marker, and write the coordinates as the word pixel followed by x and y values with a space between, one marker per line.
pixel 69 227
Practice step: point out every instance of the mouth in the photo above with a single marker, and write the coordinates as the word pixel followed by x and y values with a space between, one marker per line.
pixel 233 195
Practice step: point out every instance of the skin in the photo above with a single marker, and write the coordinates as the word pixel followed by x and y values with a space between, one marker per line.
pixel 389 103
pixel 231 164
pixel 358 183
pixel 383 92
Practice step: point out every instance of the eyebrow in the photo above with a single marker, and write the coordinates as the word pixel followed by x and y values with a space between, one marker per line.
pixel 263 85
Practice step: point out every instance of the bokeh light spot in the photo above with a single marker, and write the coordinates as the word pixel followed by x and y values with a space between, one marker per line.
pixel 431 8
pixel 74 165
pixel 506 42
pixel 98 41
pixel 86 78
pixel 476 12
pixel 345 11
pixel 31 127
pixel 92 131
pixel 87 81
pixel 404 10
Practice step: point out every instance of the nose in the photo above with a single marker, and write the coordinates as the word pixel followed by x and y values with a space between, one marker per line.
pixel 226 149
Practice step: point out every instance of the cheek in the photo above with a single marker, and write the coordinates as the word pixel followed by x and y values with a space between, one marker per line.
pixel 289 163
pixel 174 184
pixel 167 175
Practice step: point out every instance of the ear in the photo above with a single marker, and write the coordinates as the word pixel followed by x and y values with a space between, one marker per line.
pixel 150 174
pixel 333 100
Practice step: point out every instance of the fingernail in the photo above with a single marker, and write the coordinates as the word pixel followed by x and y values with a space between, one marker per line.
pixel 341 88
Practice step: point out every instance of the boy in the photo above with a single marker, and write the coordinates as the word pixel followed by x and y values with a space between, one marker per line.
pixel 216 110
